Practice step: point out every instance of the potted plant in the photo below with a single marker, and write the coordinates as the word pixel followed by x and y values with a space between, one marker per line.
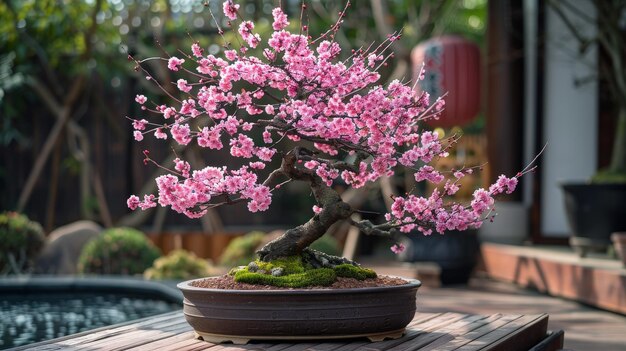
pixel 595 209
pixel 339 124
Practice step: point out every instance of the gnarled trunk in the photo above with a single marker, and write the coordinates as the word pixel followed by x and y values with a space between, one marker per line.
pixel 294 241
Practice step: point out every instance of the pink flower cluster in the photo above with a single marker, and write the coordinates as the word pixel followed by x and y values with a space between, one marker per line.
pixel 299 89
pixel 415 212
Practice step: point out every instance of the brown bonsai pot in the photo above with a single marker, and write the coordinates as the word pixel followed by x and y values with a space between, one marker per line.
pixel 619 242
pixel 219 315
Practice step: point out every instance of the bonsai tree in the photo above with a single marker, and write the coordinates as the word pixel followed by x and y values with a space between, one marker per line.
pixel 610 39
pixel 343 125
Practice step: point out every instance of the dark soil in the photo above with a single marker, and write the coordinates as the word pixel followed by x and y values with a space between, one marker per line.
pixel 228 283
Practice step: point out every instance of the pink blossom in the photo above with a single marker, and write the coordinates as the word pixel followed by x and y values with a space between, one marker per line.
pixel 265 153
pixel 230 55
pixel 182 166
pixel 311 164
pixel 280 19
pixel 174 63
pixel 138 135
pixel 245 30
pixel 267 137
pixel 317 209
pixel 242 146
pixel 181 133
pixel 398 248
pixel 141 99
pixel 196 50
pixel 159 134
pixel 139 124
pixel 148 202
pixel 257 165
pixel 183 86
pixel 169 112
pixel 132 202
pixel 230 9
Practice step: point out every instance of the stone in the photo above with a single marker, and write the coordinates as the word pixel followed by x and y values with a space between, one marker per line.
pixel 253 267
pixel 60 254
pixel 278 271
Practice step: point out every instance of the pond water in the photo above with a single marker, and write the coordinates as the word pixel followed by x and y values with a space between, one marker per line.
pixel 28 318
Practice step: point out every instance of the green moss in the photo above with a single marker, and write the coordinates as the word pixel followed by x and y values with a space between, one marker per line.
pixel 291 265
pixel 296 274
pixel 350 271
pixel 312 277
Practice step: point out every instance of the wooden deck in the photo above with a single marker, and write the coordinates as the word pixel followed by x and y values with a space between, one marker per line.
pixel 427 331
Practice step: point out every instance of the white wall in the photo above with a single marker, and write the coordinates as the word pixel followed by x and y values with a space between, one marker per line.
pixel 570 117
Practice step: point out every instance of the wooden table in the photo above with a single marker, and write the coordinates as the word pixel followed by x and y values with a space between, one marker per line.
pixel 427 331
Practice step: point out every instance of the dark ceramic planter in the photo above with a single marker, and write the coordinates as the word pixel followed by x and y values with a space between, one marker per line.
pixel 456 253
pixel 241 315
pixel 594 211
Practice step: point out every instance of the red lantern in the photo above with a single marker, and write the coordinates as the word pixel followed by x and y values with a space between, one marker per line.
pixel 452 66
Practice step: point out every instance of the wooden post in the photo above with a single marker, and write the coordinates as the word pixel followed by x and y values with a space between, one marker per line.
pixel 505 89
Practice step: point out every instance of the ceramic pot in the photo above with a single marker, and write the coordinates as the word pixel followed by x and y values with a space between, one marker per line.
pixel 456 253
pixel 594 211
pixel 219 315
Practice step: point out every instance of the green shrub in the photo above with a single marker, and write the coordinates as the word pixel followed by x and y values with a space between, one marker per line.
pixel 179 265
pixel 241 250
pixel 20 241
pixel 118 251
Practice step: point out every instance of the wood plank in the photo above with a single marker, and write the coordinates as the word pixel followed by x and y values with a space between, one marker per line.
pixel 120 336
pixel 524 328
pixel 413 330
pixel 427 331
pixel 149 336
pixel 134 338
pixel 159 344
pixel 186 345
pixel 459 330
pixel 433 334
pixel 56 344
pixel 336 344
pixel 118 328
pixel 464 339
pixel 251 346
pixel 112 332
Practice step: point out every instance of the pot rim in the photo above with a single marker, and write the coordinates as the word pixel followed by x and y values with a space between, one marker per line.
pixel 411 284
